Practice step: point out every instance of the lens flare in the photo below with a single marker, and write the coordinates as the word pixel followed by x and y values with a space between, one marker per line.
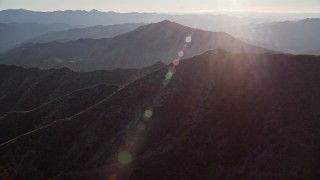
pixel 176 62
pixel 188 39
pixel 124 157
pixel 169 75
pixel 180 53
pixel 148 113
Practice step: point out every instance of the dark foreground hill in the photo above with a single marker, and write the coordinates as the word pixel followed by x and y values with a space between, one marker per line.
pixel 19 122
pixel 139 48
pixel 22 89
pixel 214 116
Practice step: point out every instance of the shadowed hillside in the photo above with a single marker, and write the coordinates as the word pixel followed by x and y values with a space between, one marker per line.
pixel 139 48
pixel 17 123
pixel 23 89
pixel 215 116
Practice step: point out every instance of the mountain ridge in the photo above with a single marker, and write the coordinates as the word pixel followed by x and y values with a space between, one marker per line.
pixel 139 48
pixel 92 32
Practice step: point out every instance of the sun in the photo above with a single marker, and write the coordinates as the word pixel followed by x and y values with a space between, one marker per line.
pixel 235 6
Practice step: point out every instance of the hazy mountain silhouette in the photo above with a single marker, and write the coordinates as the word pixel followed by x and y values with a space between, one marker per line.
pixel 217 116
pixel 295 37
pixel 92 18
pixel 262 44
pixel 139 48
pixel 314 52
pixel 95 32
pixel 13 34
pixel 24 89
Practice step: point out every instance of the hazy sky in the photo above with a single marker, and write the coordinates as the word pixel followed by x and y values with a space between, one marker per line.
pixel 308 6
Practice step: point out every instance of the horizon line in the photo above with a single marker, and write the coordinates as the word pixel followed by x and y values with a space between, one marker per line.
pixel 173 12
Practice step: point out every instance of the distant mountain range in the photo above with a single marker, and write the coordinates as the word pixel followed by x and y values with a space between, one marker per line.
pixel 297 37
pixel 14 34
pixel 95 32
pixel 314 52
pixel 217 115
pixel 139 48
pixel 92 18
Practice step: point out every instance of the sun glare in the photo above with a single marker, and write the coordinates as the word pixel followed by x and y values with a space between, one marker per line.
pixel 235 6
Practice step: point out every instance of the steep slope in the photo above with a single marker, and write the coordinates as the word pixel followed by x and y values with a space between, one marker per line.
pixel 14 34
pixel 23 89
pixel 95 32
pixel 16 123
pixel 215 116
pixel 139 48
